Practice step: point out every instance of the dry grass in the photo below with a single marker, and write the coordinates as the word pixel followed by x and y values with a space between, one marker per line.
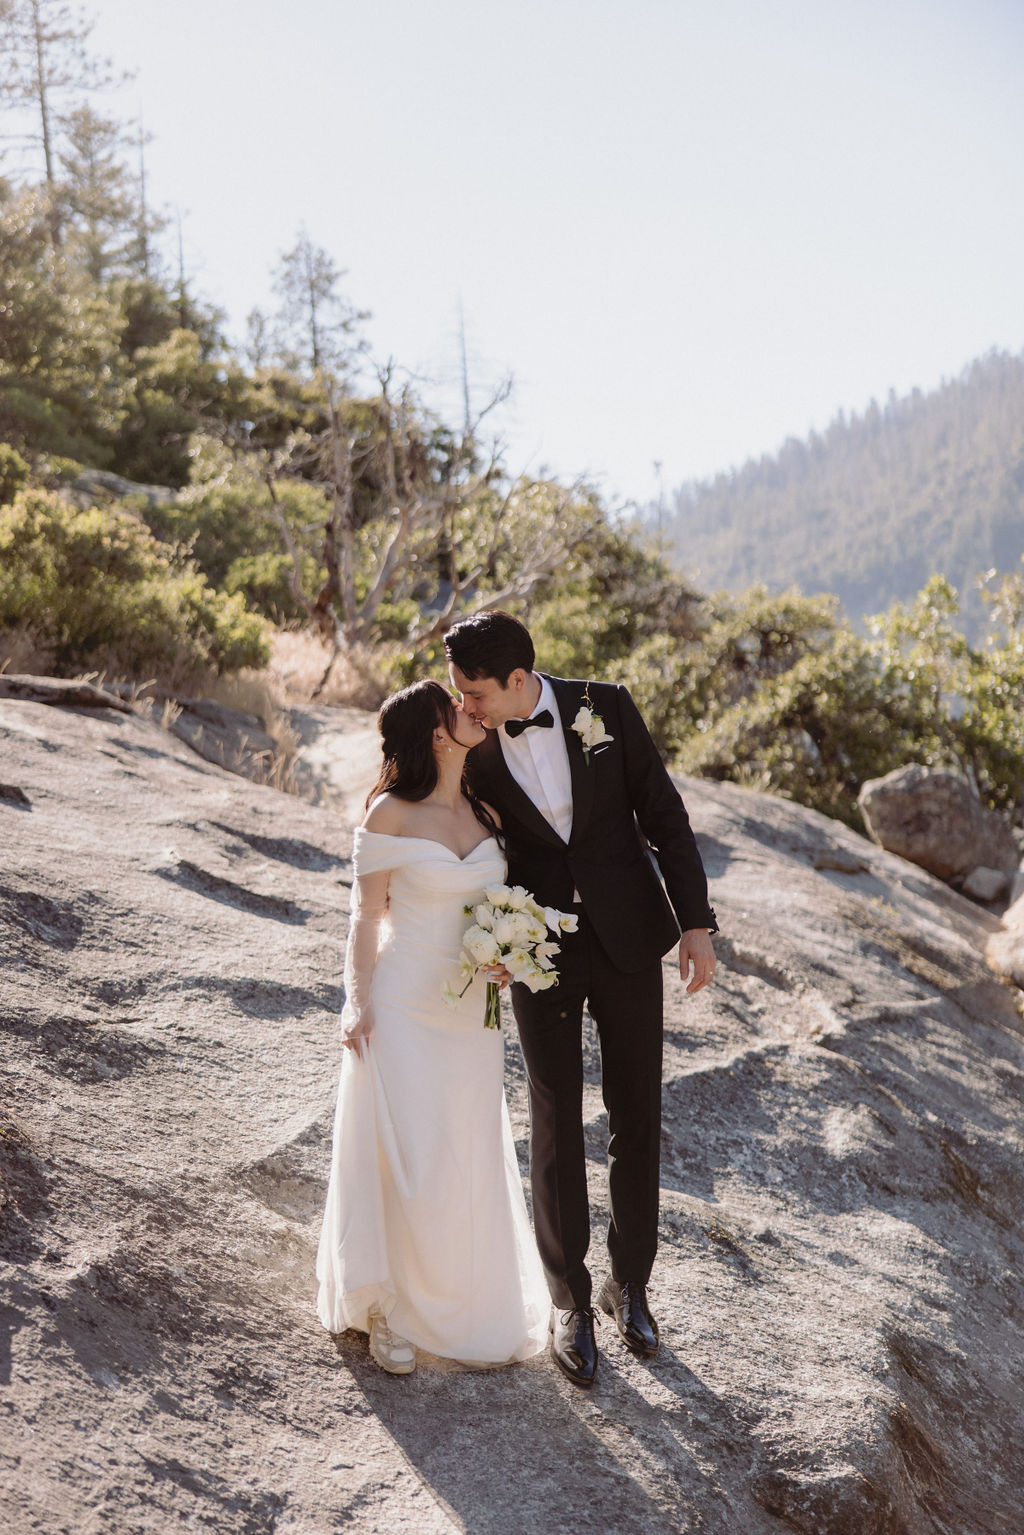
pixel 298 660
pixel 23 654
pixel 260 694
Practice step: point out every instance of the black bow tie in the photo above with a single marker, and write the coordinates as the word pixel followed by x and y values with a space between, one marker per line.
pixel 516 727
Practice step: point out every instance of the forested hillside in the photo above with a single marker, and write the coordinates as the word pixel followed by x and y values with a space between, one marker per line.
pixel 876 504
pixel 178 505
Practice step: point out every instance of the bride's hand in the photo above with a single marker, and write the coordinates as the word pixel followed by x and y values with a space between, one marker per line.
pixel 353 1036
pixel 497 973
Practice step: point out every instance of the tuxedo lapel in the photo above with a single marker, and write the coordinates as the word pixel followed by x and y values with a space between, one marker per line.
pixel 492 764
pixel 569 696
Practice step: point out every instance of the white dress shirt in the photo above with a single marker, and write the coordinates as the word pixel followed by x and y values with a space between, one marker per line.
pixel 539 763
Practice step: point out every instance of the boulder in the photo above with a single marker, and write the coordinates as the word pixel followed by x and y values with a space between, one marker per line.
pixel 936 820
pixel 100 484
pixel 985 884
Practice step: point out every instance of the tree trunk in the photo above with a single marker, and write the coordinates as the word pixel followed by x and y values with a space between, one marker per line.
pixel 44 116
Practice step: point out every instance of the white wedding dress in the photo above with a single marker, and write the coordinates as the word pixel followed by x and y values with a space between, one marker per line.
pixel 425 1217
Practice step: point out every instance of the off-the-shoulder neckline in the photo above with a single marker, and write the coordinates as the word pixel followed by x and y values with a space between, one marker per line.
pixel 400 837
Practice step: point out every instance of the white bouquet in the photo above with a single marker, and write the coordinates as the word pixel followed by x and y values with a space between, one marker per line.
pixel 509 928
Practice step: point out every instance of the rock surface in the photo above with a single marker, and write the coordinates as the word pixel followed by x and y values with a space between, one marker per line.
pixel 71 692
pixel 101 485
pixel 985 884
pixel 337 757
pixel 1005 948
pixel 839 1284
pixel 936 820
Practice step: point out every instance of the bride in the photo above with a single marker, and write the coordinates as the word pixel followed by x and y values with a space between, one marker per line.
pixel 425 1240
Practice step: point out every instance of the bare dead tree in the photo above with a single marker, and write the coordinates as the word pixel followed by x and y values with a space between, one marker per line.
pixel 396 519
pixel 416 519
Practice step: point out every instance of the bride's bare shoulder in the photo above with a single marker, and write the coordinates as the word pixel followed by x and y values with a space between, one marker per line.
pixel 386 815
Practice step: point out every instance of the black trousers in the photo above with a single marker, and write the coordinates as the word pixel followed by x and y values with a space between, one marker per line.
pixel 627 1011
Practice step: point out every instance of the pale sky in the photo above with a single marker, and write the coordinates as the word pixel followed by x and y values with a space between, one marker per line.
pixel 689 228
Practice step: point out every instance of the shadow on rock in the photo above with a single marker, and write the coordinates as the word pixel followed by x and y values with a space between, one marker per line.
pixel 291 1179
pixel 289 850
pixel 11 1320
pixel 128 1311
pixel 216 888
pixel 259 998
pixel 84 1050
pixel 211 1500
pixel 24 1193
pixel 57 924
pixel 612 1458
pixel 715 855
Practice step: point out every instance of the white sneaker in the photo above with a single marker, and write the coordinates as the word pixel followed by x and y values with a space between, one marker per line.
pixel 392 1353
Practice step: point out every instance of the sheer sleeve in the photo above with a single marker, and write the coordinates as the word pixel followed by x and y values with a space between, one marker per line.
pixel 369 908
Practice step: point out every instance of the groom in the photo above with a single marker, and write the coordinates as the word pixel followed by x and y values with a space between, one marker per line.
pixel 585 800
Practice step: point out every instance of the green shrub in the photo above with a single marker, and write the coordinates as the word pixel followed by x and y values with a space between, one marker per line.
pixel 264 582
pixel 54 470
pixel 656 674
pixel 103 594
pixel 13 472
pixel 227 526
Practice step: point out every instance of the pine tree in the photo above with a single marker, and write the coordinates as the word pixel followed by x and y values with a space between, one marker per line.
pixel 47 68
pixel 315 325
pixel 97 195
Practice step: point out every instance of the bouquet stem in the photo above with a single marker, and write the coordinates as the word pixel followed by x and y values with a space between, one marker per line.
pixel 492 1012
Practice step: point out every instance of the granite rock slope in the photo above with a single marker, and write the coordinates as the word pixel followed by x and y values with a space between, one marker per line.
pixel 840 1277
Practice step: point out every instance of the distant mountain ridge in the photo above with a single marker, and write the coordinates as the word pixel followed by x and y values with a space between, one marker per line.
pixel 875 504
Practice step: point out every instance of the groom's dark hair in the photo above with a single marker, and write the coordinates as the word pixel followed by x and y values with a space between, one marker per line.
pixel 490 645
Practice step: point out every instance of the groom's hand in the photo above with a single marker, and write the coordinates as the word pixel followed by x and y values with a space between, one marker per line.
pixel 697 951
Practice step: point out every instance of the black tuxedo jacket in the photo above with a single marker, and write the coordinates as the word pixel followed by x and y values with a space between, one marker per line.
pixel 621 792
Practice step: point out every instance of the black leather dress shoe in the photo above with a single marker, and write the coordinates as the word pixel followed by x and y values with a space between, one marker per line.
pixel 573 1345
pixel 627 1303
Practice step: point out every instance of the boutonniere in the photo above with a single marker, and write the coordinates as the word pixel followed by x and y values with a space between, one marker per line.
pixel 589 726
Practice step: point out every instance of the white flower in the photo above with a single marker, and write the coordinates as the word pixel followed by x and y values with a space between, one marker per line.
pixel 590 728
pixel 540 980
pixel 568 922
pixel 517 898
pixel 519 964
pixel 483 914
pixel 535 931
pixel 480 945
pixel 449 994
pixel 512 928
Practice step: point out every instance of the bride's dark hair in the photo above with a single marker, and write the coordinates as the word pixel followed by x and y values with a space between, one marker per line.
pixel 407 721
